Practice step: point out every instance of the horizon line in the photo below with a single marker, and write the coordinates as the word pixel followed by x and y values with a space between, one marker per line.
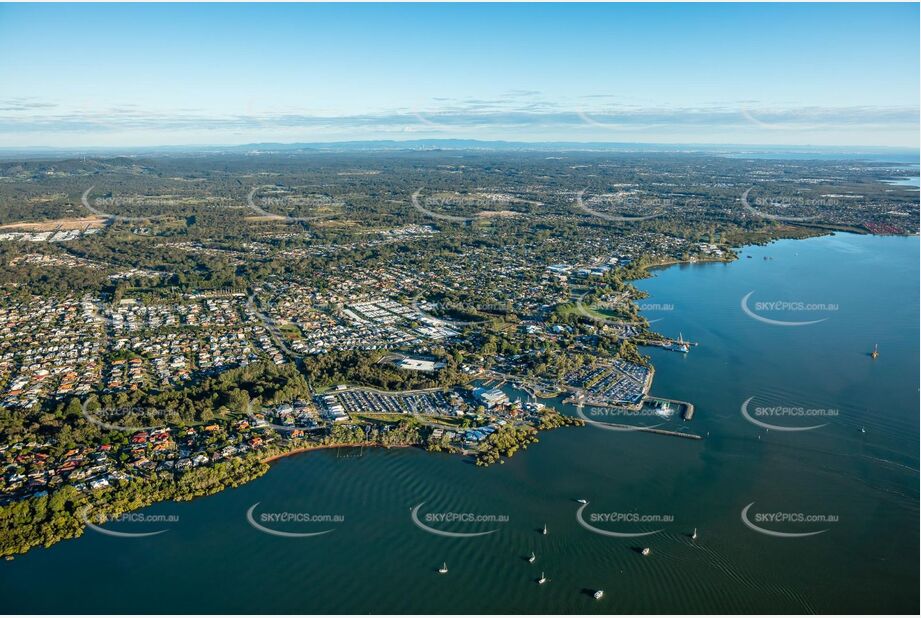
pixel 455 140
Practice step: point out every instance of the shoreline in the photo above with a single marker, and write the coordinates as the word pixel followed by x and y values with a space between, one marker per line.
pixel 323 447
pixel 271 458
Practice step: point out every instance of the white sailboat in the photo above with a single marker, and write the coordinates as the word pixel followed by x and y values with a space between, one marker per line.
pixel 443 569
pixel 532 558
pixel 543 578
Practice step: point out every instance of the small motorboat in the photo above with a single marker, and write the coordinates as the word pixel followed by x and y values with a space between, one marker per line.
pixel 582 501
pixel 694 535
pixel 646 551
pixel 598 594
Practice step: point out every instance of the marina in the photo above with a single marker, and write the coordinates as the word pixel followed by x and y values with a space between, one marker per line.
pixel 300 301
pixel 704 484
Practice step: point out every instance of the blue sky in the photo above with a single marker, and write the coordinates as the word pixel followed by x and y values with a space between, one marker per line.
pixel 140 75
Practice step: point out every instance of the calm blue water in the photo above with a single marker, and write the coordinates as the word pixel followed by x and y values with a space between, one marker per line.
pixel 911 180
pixel 906 182
pixel 377 560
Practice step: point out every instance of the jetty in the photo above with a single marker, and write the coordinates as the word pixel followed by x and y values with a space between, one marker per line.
pixel 661 432
pixel 664 432
pixel 665 343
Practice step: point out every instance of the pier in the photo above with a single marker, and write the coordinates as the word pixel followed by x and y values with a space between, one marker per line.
pixel 663 432
pixel 664 343
pixel 677 434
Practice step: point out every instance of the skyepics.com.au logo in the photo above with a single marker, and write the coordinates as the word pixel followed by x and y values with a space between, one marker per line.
pixel 625 204
pixel 417 204
pixel 800 203
pixel 129 525
pixel 293 524
pixel 784 418
pixel 656 307
pixel 761 309
pixel 487 205
pixel 435 522
pixel 786 524
pixel 611 417
pixel 124 418
pixel 105 204
pixel 266 201
pixel 604 523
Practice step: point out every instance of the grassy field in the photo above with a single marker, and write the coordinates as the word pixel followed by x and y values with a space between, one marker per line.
pixel 290 331
pixel 595 312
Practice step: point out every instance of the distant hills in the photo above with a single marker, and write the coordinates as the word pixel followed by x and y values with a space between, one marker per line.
pixel 819 152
